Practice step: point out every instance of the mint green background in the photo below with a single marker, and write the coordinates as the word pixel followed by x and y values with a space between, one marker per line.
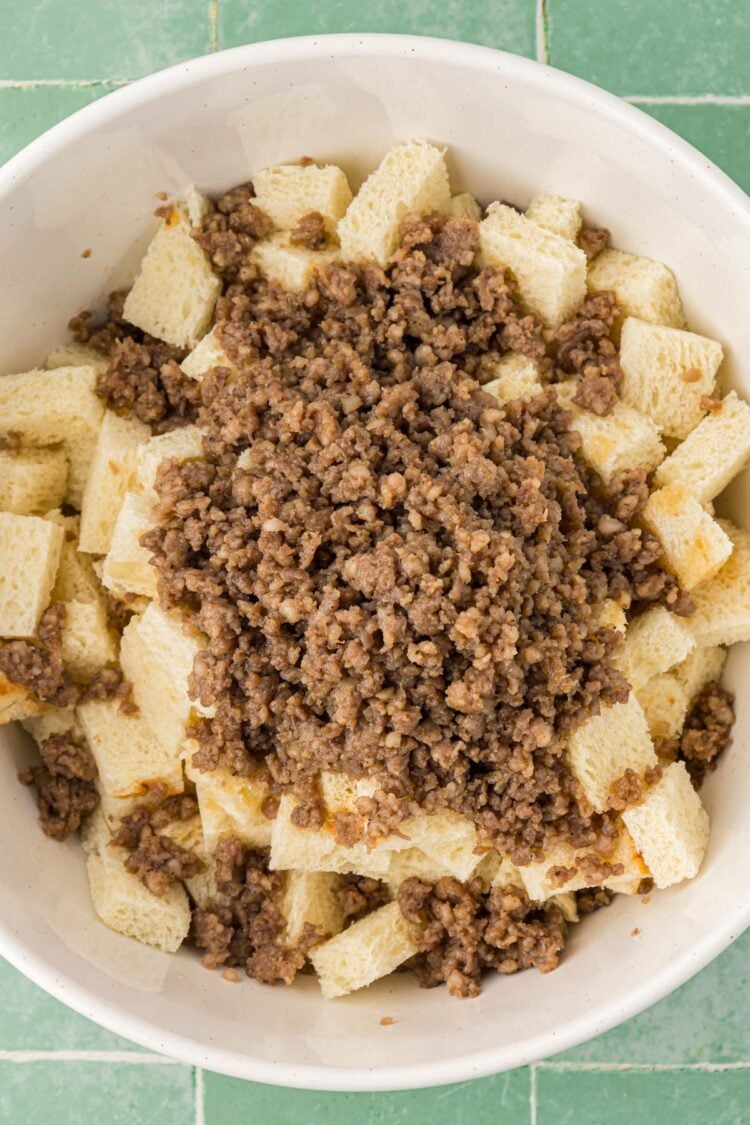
pixel 688 1058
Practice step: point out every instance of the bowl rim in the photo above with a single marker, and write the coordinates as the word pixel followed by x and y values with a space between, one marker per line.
pixel 725 193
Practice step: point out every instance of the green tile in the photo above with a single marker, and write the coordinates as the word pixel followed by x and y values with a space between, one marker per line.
pixel 69 1093
pixel 704 1021
pixel 721 131
pixel 625 1097
pixel 30 1020
pixel 508 24
pixel 502 1100
pixel 101 38
pixel 653 46
pixel 27 111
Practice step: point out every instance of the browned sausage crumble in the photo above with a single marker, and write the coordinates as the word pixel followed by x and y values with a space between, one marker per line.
pixel 64 785
pixel 155 858
pixel 38 664
pixel 705 735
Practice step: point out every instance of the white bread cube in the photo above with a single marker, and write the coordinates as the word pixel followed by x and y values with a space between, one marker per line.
pixel 508 875
pixel 654 642
pixel 309 899
pixel 109 475
pixel 51 407
pixel 291 267
pixel 76 355
pixel 556 214
pixel 230 805
pixel 206 354
pixel 157 656
pixel 539 885
pixel 126 906
pixel 185 444
pixel 316 849
pixel 29 555
pixel 127 568
pixel 643 287
pixel 464 206
pixel 372 948
pixel 286 192
pixel 703 667
pixel 174 294
pixel 516 376
pixel 32 481
pixel 667 373
pixel 611 615
pixel 623 439
pixel 568 905
pixel 53 720
pixel 87 643
pixel 550 271
pixel 413 863
pixel 76 578
pixel 189 834
pixel 694 544
pixel 17 703
pixel 665 704
pixel 712 454
pixel 448 838
pixel 722 605
pixel 608 744
pixel 411 178
pixel 130 760
pixel 670 827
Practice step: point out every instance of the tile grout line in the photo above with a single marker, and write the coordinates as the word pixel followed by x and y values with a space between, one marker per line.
pixel 656 1068
pixel 213 18
pixel 60 83
pixel 532 1094
pixel 200 1097
pixel 139 1057
pixel 687 99
pixel 542 52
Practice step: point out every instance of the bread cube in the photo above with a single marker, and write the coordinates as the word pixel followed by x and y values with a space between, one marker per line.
pixel 713 453
pixel 17 703
pixel 508 875
pixel 127 568
pixel 53 720
pixel 703 667
pixel 55 407
pixel 87 643
pixel 76 578
pixel 286 192
pixel 654 642
pixel 76 355
pixel 126 906
pixel 372 948
pixel 643 287
pixel 665 704
pixel 309 898
pixel 722 604
pixel 413 863
pixel 622 439
pixel 464 206
pixel 411 178
pixel 540 885
pixel 230 804
pixel 206 354
pixel 556 214
pixel 316 849
pixel 29 555
pixel 189 834
pixel 291 267
pixel 695 546
pixel 516 376
pixel 185 444
pixel 667 373
pixel 611 615
pixel 129 758
pixel 32 481
pixel 608 744
pixel 448 838
pixel 174 294
pixel 670 827
pixel 109 475
pixel 550 271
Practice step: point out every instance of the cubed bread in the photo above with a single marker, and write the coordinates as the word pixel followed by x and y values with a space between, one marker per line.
pixel 667 373
pixel 608 744
pixel 643 287
pixel 126 906
pixel 550 271
pixel 32 481
pixel 508 875
pixel 712 453
pixel 611 615
pixel 207 354
pixel 310 898
pixel 665 704
pixel 464 206
pixel 286 192
pixel 76 578
pixel 622 439
pixel 670 827
pixel 109 475
pixel 545 880
pixel 127 568
pixel 372 948
pixel 316 849
pixel 413 863
pixel 87 643
pixel 184 444
pixel 722 605
pixel 189 834
pixel 174 294
pixel 694 544
pixel 230 804
pixel 76 355
pixel 654 642
pixel 703 667
pixel 53 720
pixel 291 267
pixel 556 214
pixel 412 178
pixel 55 407
pixel 448 838
pixel 17 703
pixel 156 655
pixel 29 556
pixel 516 376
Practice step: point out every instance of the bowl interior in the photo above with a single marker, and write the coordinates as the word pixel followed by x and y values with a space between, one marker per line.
pixel 512 128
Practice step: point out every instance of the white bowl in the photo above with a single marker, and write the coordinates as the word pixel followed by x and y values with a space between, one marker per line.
pixel 513 127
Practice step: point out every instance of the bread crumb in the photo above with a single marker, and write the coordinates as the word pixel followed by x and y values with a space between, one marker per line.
pixel 710 403
pixel 646 900
pixel 636 932
pixel 163 195
pixel 86 253
pixel 386 1021
pixel 230 975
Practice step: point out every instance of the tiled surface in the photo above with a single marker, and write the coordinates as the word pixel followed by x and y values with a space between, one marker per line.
pixel 688 1058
